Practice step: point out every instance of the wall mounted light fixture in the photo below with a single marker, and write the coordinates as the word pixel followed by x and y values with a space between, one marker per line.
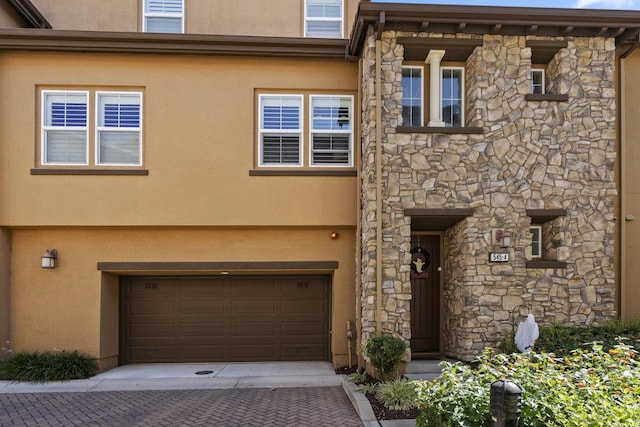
pixel 334 235
pixel 48 258
pixel 504 238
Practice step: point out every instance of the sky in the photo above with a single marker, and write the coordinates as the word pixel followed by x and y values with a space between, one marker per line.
pixel 578 4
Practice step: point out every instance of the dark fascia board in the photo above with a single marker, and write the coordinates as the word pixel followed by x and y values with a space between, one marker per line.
pixel 540 216
pixel 183 44
pixel 218 266
pixel 29 13
pixel 542 51
pixel 456 50
pixel 624 25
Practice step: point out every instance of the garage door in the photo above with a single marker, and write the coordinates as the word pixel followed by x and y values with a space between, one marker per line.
pixel 232 318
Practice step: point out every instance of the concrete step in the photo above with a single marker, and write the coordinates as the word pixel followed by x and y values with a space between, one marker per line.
pixel 423 377
pixel 423 367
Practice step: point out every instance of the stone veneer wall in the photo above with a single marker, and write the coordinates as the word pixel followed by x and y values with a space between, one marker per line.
pixel 531 155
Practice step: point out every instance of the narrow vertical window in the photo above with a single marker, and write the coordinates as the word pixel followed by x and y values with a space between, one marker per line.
pixel 119 128
pixel 64 128
pixel 323 18
pixel 331 130
pixel 536 241
pixel 163 16
pixel 452 96
pixel 280 130
pixel 537 81
pixel 412 96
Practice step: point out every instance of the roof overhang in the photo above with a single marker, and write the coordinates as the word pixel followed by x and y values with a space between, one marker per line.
pixel 624 26
pixel 29 13
pixel 183 44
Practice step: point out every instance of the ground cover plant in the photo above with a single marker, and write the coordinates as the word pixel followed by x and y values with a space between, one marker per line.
pixel 47 366
pixel 589 387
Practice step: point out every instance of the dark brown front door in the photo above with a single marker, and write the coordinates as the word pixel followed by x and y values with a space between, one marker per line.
pixel 425 291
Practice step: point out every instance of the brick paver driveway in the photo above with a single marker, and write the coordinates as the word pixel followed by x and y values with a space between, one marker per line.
pixel 309 406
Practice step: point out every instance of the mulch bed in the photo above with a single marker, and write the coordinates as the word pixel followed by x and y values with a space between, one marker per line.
pixel 379 410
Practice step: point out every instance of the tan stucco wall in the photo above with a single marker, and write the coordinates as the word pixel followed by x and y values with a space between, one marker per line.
pixel 75 306
pixel 629 217
pixel 199 143
pixel 8 17
pixel 5 301
pixel 279 18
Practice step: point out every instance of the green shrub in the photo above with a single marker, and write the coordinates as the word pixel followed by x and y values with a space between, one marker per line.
pixel 399 394
pixel 358 377
pixel 385 352
pixel 587 388
pixel 562 340
pixel 368 388
pixel 47 366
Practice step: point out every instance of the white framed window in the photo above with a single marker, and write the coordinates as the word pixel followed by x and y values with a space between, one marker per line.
pixel 412 96
pixel 536 241
pixel 64 138
pixel 537 81
pixel 323 18
pixel 452 96
pixel 119 128
pixel 163 16
pixel 331 128
pixel 280 130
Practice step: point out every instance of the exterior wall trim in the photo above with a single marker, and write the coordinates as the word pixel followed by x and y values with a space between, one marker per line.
pixel 256 172
pixel 42 171
pixel 182 44
pixel 217 266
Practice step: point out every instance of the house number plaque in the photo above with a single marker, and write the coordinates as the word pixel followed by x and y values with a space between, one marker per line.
pixel 498 257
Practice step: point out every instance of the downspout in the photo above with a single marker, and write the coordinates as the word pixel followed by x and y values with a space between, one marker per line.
pixel 379 173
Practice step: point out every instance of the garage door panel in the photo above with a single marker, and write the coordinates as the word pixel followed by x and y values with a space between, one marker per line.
pixel 303 328
pixel 201 329
pixel 201 306
pixel 254 306
pixel 211 319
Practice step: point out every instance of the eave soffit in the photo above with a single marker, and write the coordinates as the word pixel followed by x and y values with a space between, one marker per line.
pixel 624 26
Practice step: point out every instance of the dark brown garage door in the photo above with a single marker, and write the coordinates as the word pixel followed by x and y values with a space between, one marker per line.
pixel 195 319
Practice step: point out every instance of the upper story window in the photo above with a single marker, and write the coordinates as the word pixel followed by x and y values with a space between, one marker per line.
pixel 323 18
pixel 446 102
pixel 537 81
pixel 64 128
pixel 451 100
pixel 115 124
pixel 282 130
pixel 163 16
pixel 412 96
pixel 331 130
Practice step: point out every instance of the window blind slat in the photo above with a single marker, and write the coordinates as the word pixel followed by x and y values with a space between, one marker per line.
pixel 119 147
pixel 65 147
pixel 163 6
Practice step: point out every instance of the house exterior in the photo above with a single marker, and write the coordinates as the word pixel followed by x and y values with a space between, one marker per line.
pixel 253 181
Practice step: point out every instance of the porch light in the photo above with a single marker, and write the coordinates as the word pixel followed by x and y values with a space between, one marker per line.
pixel 504 238
pixel 49 258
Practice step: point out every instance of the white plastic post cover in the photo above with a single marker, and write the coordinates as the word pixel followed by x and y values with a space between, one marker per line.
pixel 527 334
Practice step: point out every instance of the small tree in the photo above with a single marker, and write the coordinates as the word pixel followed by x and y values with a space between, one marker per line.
pixel 385 352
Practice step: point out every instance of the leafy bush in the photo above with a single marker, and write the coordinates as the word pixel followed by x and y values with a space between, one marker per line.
pixel 47 366
pixel 358 377
pixel 399 394
pixel 587 388
pixel 385 352
pixel 368 388
pixel 562 340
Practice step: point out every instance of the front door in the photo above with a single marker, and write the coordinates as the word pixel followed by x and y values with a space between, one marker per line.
pixel 425 293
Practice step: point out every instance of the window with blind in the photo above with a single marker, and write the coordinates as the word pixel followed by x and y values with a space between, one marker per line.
pixel 163 16
pixel 280 130
pixel 451 99
pixel 118 128
pixel 287 139
pixel 91 128
pixel 64 128
pixel 331 130
pixel 412 109
pixel 323 18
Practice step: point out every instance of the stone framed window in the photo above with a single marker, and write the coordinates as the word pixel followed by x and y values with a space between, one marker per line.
pixel 546 237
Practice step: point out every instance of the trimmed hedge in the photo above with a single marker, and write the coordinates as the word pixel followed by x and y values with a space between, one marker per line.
pixel 562 340
pixel 47 366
